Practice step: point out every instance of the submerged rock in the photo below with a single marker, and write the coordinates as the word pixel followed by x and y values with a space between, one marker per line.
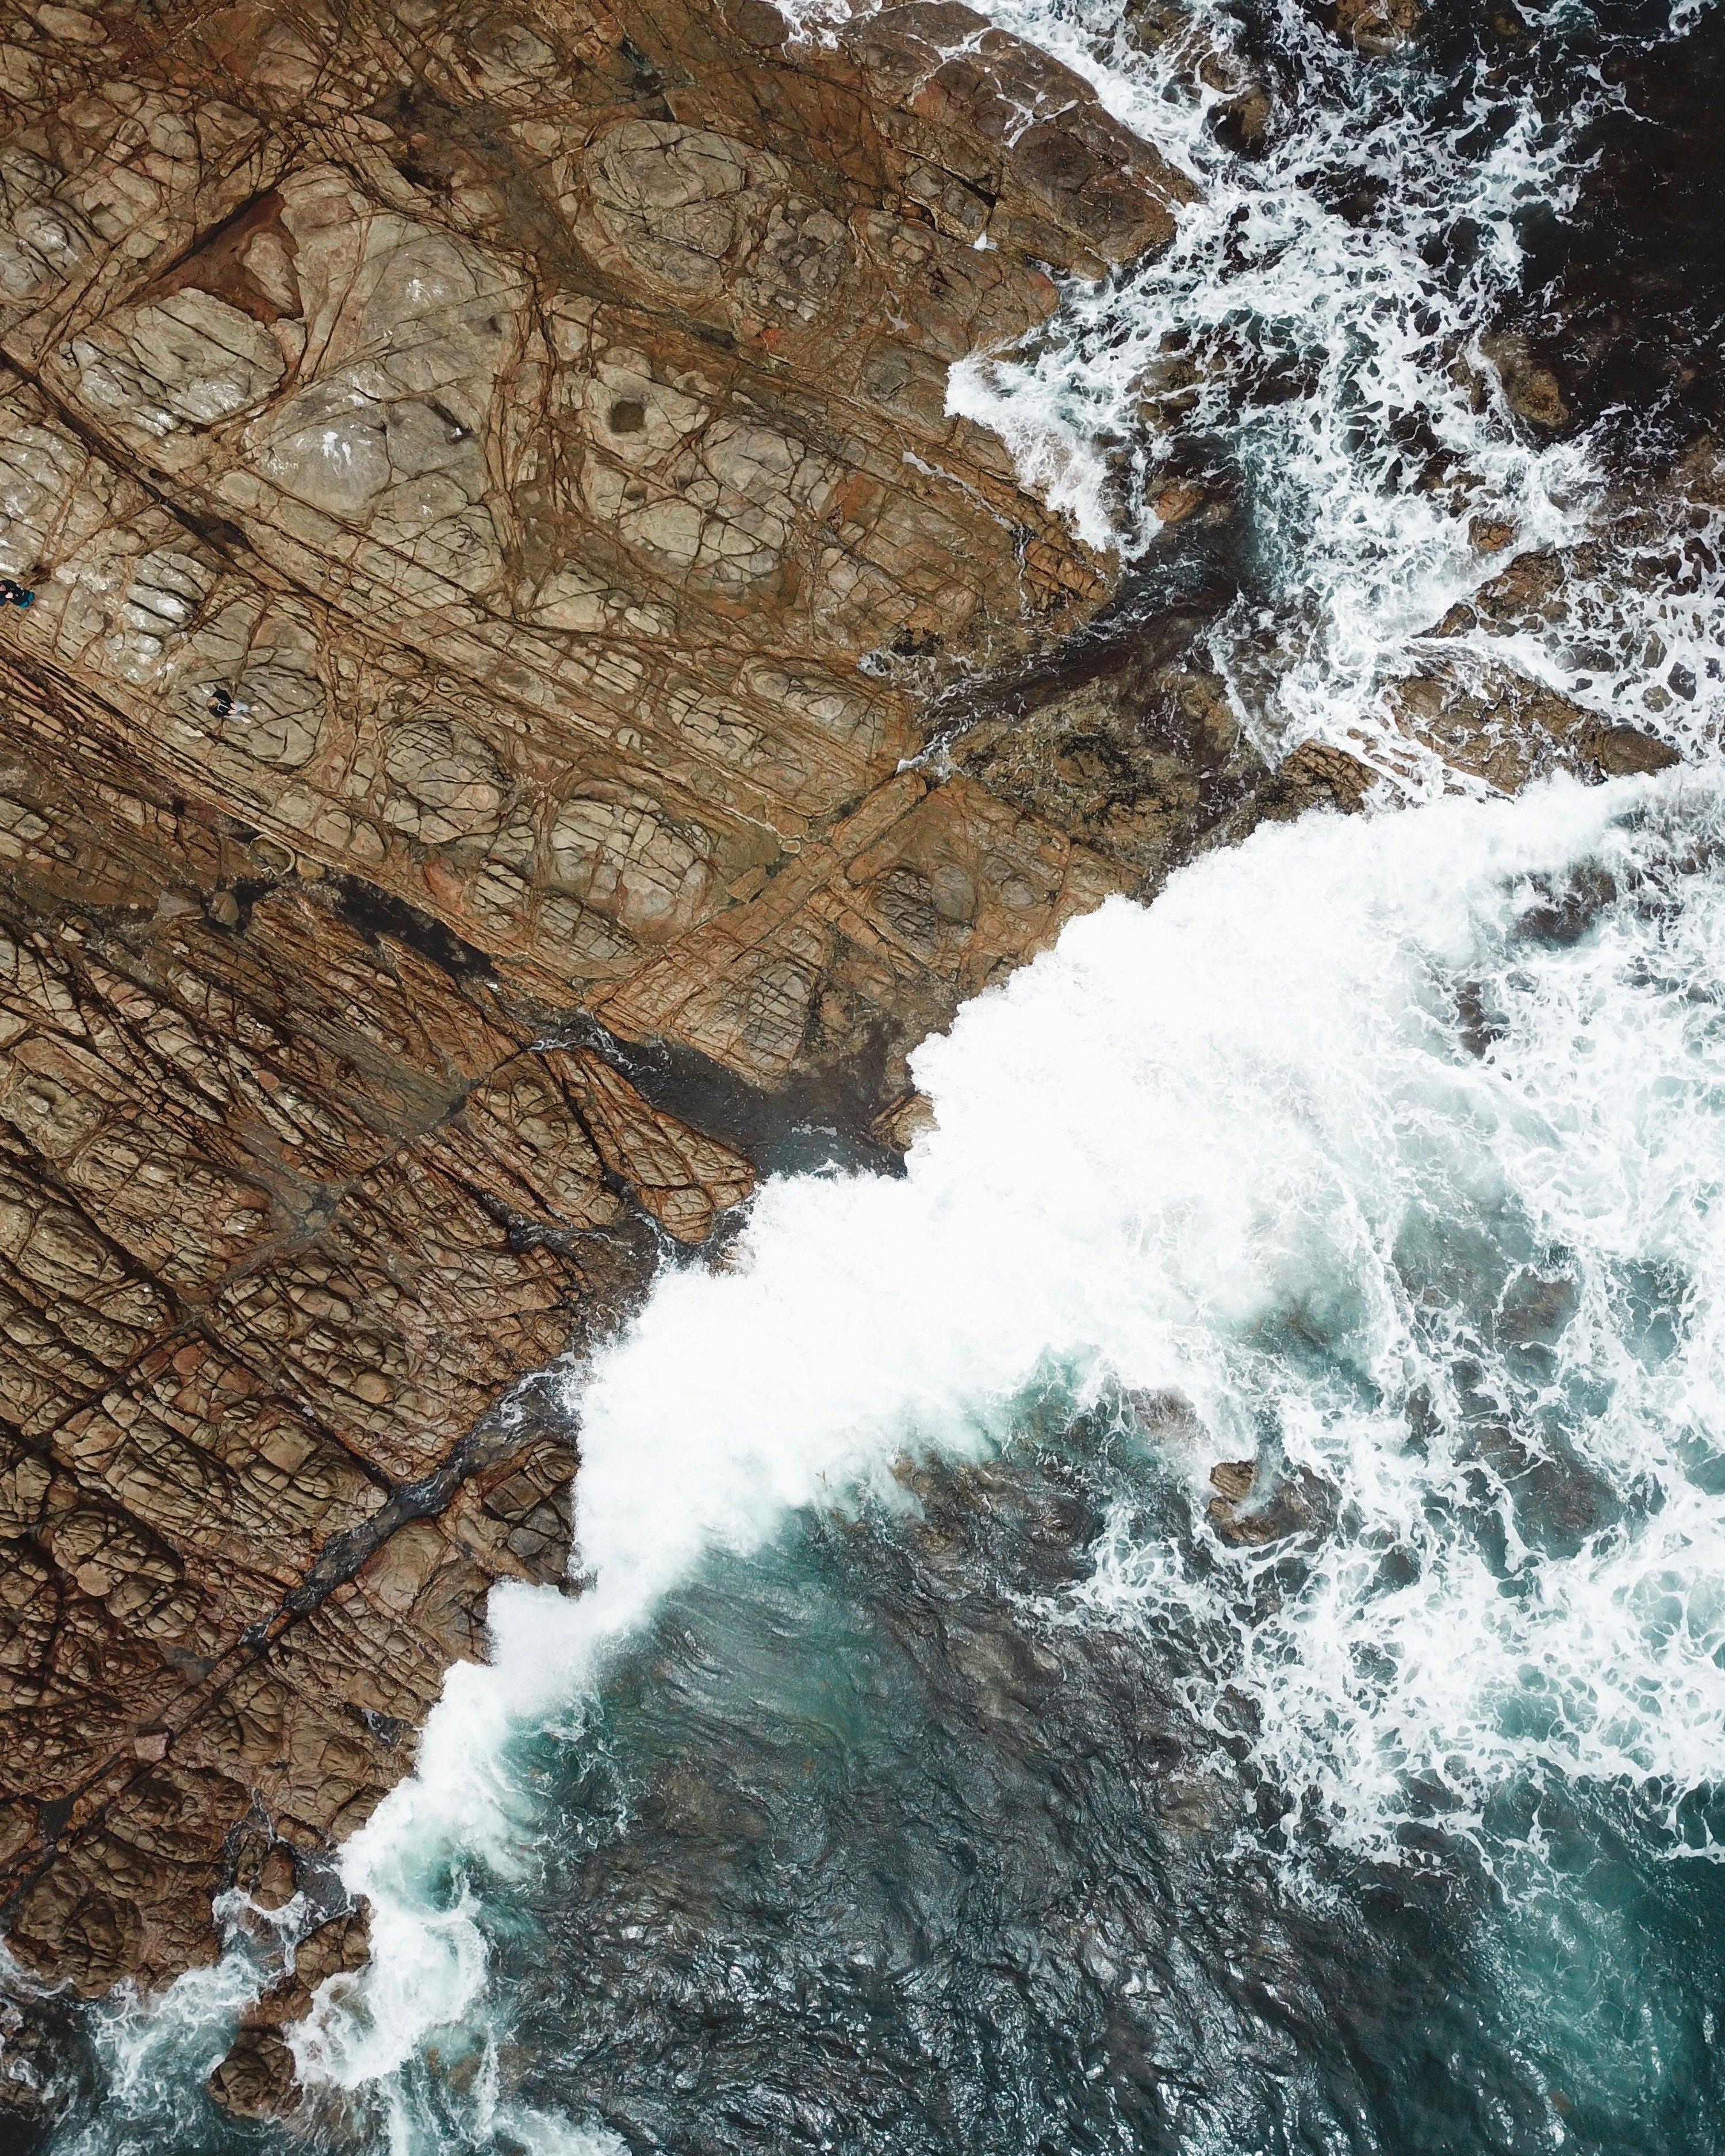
pixel 1530 389
pixel 1248 1516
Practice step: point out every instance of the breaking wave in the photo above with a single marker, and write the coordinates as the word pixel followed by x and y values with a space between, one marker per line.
pixel 1386 1154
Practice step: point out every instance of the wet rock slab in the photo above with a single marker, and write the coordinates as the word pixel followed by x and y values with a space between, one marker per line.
pixel 282 1211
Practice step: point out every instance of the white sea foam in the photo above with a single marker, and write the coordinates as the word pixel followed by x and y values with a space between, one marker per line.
pixel 1184 1124
pixel 815 20
pixel 1388 434
pixel 1444 1648
pixel 154 2051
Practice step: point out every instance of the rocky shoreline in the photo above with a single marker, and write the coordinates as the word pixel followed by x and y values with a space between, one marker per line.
pixel 456 467
pixel 491 551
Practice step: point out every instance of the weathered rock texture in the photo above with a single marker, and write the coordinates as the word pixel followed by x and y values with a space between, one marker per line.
pixel 485 480
pixel 529 423
pixel 1485 719
pixel 256 2080
pixel 282 1211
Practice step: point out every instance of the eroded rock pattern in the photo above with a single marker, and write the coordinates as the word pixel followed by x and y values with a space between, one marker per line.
pixel 497 554
pixel 1487 719
pixel 282 1211
pixel 482 447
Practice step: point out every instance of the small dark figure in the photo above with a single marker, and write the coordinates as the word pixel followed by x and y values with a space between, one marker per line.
pixel 221 703
pixel 12 593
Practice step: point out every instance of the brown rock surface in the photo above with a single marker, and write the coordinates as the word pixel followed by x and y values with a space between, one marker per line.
pixel 494 526
pixel 1653 531
pixel 1247 1514
pixel 1472 704
pixel 282 1211
pixel 256 2079
pixel 488 477
pixel 1378 26
pixel 1530 389
pixel 1484 718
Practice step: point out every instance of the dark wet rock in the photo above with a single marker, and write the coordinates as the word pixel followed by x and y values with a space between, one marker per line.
pixel 1036 1537
pixel 1478 1029
pixel 1558 1502
pixel 256 2078
pixel 1005 1676
pixel 1185 46
pixel 1623 752
pixel 1491 535
pixel 1530 389
pixel 1378 26
pixel 1147 761
pixel 1534 1308
pixel 1249 1514
pixel 1317 769
pixel 1529 590
pixel 902 1122
pixel 33 2060
pixel 1568 909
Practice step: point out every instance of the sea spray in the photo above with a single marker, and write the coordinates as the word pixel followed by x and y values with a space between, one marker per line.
pixel 151 2052
pixel 1157 1149
pixel 1312 343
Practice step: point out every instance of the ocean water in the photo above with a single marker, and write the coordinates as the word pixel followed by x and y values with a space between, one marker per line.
pixel 919 1767
pixel 1311 348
